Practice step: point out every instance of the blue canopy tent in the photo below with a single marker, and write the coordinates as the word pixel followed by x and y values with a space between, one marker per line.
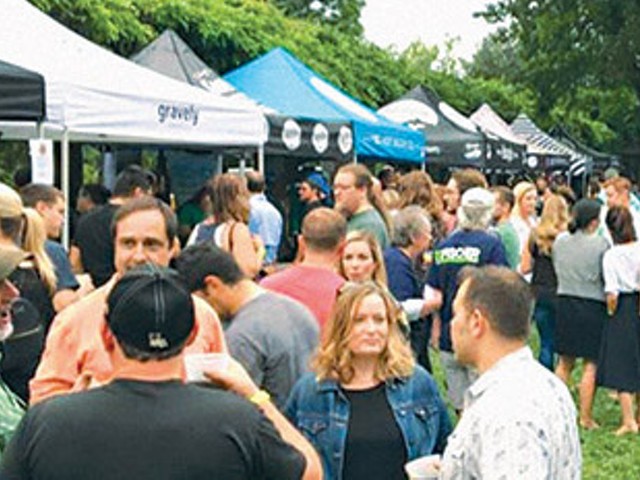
pixel 280 81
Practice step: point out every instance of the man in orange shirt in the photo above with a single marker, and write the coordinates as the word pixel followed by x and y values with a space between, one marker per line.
pixel 144 230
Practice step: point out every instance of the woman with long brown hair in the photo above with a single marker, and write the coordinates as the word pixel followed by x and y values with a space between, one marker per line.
pixel 362 259
pixel 365 370
pixel 417 188
pixel 228 226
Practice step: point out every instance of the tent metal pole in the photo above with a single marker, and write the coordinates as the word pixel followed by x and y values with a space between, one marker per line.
pixel 219 166
pixel 355 157
pixel 41 130
pixel 64 179
pixel 261 159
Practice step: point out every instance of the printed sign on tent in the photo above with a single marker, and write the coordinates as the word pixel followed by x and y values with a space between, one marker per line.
pixel 41 152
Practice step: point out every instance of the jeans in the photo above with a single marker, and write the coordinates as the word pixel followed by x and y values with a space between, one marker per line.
pixel 544 314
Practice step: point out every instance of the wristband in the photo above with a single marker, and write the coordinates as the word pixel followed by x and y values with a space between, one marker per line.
pixel 260 398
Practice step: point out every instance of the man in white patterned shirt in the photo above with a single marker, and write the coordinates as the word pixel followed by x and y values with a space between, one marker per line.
pixel 519 419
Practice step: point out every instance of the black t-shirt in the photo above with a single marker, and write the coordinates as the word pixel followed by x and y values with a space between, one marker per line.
pixel 543 279
pixel 22 350
pixel 33 288
pixel 144 430
pixel 375 447
pixel 93 238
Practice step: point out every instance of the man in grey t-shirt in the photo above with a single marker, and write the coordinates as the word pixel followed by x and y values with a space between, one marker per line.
pixel 271 335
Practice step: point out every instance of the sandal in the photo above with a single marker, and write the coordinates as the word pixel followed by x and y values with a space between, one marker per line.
pixel 624 429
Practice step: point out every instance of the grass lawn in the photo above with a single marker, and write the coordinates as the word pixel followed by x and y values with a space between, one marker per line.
pixel 604 456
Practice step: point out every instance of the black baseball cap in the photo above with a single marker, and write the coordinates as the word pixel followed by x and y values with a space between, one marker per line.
pixel 150 309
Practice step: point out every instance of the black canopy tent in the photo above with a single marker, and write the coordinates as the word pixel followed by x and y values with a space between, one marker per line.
pixel 288 136
pixel 22 96
pixel 598 160
pixel 452 139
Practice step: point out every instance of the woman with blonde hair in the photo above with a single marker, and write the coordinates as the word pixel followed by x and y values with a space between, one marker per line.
pixel 365 370
pixel 536 259
pixel 523 216
pixel 228 225
pixel 362 258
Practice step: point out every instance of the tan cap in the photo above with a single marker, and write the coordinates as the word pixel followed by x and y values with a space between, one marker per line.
pixel 10 258
pixel 10 202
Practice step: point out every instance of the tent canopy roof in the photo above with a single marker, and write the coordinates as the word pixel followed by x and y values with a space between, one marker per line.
pixel 94 93
pixel 21 94
pixel 280 81
pixel 452 139
pixel 170 55
pixel 539 143
pixel 561 134
pixel 488 119
pixel 422 107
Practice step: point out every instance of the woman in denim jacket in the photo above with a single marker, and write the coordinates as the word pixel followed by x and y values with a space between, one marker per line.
pixel 368 408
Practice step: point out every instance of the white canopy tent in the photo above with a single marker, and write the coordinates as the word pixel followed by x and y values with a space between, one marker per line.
pixel 94 95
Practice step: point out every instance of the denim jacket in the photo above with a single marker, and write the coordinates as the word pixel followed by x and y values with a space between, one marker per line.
pixel 320 410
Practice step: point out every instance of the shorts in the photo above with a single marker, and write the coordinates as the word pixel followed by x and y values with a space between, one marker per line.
pixel 459 378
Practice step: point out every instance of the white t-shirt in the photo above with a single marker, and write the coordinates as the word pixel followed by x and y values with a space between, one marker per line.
pixel 621 268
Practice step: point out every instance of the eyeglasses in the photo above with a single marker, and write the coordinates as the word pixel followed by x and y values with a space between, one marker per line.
pixel 340 186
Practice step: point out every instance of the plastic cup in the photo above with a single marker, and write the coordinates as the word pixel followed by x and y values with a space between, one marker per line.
pixel 195 364
pixel 423 468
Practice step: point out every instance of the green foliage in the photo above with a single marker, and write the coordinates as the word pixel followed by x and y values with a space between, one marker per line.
pixel 580 56
pixel 560 61
pixel 13 156
pixel 343 14
pixel 112 23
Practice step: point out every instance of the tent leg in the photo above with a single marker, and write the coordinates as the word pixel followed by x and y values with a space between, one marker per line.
pixel 261 159
pixel 64 178
pixel 355 157
pixel 109 168
pixel 219 166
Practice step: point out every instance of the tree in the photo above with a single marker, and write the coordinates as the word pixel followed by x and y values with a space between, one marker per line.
pixel 343 14
pixel 497 57
pixel 583 58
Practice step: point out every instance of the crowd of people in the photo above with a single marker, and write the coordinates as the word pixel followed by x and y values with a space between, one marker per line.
pixel 328 358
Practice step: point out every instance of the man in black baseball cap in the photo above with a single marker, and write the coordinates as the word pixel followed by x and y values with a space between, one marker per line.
pixel 147 423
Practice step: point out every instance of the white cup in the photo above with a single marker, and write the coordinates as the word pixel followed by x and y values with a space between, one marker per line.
pixel 195 364
pixel 423 468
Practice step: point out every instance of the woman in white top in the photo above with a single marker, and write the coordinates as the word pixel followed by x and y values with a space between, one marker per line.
pixel 619 361
pixel 523 216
